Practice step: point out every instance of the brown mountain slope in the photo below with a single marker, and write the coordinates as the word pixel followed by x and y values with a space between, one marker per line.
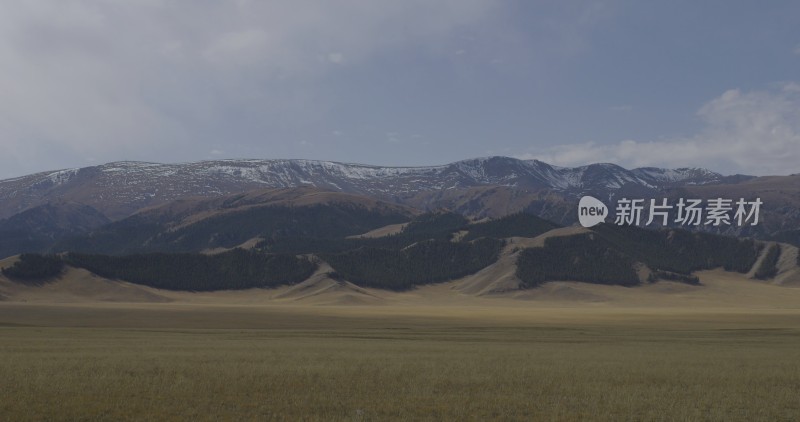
pixel 187 211
pixel 322 289
pixel 77 285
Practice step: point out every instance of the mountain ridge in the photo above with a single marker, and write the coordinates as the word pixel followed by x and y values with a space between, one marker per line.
pixel 119 189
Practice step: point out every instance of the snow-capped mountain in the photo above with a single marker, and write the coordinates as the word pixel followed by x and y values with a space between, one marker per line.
pixel 119 189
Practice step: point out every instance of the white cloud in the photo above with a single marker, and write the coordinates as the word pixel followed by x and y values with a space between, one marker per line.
pixel 755 132
pixel 791 87
pixel 167 80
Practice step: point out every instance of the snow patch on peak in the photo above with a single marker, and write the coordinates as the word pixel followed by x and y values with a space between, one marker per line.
pixel 693 175
pixel 62 176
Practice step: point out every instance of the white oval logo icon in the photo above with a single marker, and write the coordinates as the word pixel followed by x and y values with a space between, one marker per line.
pixel 591 211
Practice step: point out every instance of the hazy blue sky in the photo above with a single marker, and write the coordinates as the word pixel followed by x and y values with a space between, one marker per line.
pixel 412 82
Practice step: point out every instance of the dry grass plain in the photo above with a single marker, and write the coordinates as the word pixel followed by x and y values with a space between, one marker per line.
pixel 88 349
pixel 186 361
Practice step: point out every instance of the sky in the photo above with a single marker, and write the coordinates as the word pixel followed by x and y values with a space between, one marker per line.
pixel 712 84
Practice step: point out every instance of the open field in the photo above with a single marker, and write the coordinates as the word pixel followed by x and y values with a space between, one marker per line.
pixel 179 361
pixel 86 348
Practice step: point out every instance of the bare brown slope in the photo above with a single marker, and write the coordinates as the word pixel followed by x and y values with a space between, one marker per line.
pixel 78 286
pixel 322 289
pixel 788 270
pixel 501 277
pixel 381 231
pixel 720 289
pixel 247 245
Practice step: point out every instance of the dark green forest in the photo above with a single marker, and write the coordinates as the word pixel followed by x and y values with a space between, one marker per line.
pixel 140 250
pixel 439 226
pixel 608 254
pixel 33 268
pixel 587 257
pixel 519 224
pixel 429 261
pixel 140 234
pixel 436 225
pixel 14 241
pixel 788 236
pixel 669 275
pixel 236 269
pixel 681 251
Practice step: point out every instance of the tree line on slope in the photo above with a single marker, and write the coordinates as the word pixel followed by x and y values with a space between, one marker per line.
pixel 426 252
pixel 656 275
pixel 791 237
pixel 236 269
pixel 608 254
pixel 33 268
pixel 425 262
pixel 144 233
pixel 515 225
pixel 427 226
pixel 585 257
pixel 682 251
pixel 438 226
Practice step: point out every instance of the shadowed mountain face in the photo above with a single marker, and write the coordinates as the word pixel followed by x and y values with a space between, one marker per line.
pixel 35 229
pixel 56 218
pixel 194 225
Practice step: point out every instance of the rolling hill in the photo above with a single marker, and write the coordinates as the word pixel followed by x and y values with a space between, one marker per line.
pixel 514 253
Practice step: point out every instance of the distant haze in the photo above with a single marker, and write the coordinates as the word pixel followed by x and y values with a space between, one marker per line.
pixel 668 84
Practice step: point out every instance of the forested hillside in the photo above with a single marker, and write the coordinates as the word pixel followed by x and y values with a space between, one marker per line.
pixel 237 269
pixel 585 257
pixel 33 268
pixel 607 256
pixel 163 249
pixel 140 234
pixel 436 225
pixel 425 262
